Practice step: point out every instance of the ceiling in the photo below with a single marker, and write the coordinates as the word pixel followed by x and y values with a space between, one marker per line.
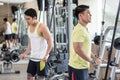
pixel 111 6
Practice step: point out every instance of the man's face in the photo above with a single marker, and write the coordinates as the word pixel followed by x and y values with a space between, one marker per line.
pixel 86 16
pixel 29 20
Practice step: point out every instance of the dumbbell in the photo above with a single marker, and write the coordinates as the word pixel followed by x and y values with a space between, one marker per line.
pixel 4 48
pixel 15 55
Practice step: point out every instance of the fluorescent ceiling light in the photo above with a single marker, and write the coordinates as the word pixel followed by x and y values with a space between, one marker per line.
pixel 15 1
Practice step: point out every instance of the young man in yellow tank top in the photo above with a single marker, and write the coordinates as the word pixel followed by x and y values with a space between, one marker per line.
pixel 14 32
pixel 39 46
pixel 80 46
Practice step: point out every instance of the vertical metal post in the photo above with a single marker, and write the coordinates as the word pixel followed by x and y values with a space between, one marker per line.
pixel 70 17
pixel 71 6
pixel 110 52
pixel 43 10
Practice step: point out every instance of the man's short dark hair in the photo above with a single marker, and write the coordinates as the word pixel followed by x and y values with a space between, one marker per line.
pixel 80 9
pixel 5 19
pixel 31 12
pixel 14 19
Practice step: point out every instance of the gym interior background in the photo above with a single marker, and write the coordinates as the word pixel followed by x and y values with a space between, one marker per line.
pixel 59 17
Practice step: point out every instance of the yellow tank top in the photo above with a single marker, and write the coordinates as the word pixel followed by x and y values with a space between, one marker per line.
pixel 14 28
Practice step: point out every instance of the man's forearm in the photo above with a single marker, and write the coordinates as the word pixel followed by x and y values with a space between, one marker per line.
pixel 27 51
pixel 50 43
pixel 82 54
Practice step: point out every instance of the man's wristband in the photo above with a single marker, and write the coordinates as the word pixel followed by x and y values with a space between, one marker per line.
pixel 93 61
pixel 47 56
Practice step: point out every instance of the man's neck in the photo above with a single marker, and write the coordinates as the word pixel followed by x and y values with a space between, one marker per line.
pixel 83 23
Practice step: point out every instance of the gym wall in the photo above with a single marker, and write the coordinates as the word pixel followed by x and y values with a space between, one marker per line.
pixel 5 11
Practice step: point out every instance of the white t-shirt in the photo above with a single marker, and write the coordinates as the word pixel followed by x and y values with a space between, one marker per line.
pixel 8 31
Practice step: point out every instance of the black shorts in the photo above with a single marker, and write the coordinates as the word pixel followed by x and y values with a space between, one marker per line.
pixel 14 36
pixel 34 68
pixel 7 36
pixel 78 74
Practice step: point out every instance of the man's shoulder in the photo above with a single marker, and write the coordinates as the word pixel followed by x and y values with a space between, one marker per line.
pixel 42 26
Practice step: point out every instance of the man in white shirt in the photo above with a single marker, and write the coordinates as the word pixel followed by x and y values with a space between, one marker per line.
pixel 7 32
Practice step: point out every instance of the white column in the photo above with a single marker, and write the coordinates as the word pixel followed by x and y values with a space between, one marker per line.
pixel 71 6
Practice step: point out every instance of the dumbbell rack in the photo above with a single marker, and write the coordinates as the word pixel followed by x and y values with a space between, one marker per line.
pixel 7 66
pixel 101 54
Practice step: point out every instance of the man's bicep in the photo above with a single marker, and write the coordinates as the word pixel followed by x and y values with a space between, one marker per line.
pixel 46 33
pixel 77 46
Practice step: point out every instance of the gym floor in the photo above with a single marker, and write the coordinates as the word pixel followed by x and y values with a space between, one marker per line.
pixel 20 66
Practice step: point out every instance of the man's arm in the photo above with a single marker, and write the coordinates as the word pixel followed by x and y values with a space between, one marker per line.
pixel 78 49
pixel 97 59
pixel 5 27
pixel 28 49
pixel 22 55
pixel 46 34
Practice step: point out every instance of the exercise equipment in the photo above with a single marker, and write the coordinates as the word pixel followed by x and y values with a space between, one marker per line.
pixel 1 36
pixel 97 40
pixel 115 64
pixel 96 72
pixel 110 52
pixel 102 48
pixel 4 47
pixel 102 27
pixel 8 57
pixel 24 40
pixel 61 37
pixel 75 20
pixel 15 56
pixel 14 9
pixel 40 5
pixel 57 67
pixel 117 43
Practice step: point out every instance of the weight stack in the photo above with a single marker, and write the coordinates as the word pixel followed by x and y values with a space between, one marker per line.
pixel 62 67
